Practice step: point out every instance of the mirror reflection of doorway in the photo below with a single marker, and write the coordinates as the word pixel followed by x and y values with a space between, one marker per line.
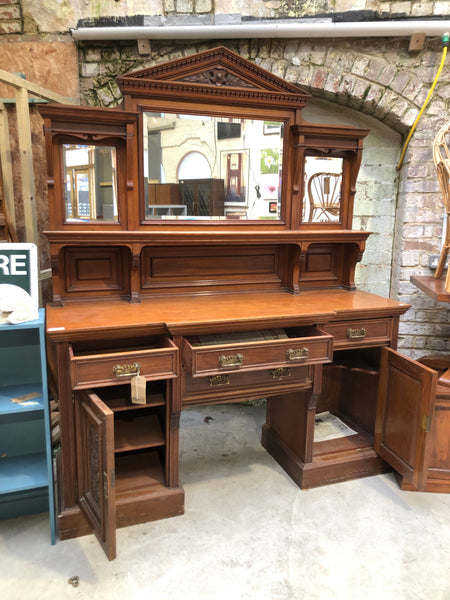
pixel 194 165
pixel 77 193
pixel 194 176
pixel 234 177
pixel 90 182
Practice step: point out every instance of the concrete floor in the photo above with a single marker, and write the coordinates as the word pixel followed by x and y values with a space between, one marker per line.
pixel 249 533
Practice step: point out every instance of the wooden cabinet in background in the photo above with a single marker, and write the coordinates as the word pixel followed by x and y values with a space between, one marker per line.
pixel 203 197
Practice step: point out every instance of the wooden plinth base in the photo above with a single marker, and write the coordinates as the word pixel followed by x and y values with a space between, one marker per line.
pixel 329 468
pixel 439 486
pixel 130 511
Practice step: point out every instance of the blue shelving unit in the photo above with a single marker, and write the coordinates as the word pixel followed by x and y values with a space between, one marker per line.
pixel 26 474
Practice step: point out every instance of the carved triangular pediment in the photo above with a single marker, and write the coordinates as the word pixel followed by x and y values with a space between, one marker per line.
pixel 210 74
pixel 218 75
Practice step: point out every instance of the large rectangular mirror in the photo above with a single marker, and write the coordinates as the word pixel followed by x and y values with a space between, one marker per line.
pixel 210 168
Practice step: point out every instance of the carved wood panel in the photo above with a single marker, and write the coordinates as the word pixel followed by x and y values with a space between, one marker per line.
pixel 101 270
pixel 223 266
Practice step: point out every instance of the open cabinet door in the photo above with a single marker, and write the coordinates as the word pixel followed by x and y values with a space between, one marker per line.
pixel 405 404
pixel 95 467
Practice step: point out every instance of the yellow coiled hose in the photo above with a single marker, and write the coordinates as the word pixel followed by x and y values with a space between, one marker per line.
pixel 445 41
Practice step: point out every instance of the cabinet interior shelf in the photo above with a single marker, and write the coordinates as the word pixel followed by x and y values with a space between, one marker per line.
pixel 25 472
pixel 121 403
pixel 346 444
pixel 138 472
pixel 343 444
pixel 135 433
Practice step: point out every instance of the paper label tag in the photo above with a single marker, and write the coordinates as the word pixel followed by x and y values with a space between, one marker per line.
pixel 138 390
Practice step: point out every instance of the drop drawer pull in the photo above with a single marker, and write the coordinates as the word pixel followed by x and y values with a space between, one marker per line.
pixel 297 354
pixel 219 380
pixel 127 370
pixel 235 360
pixel 356 334
pixel 281 373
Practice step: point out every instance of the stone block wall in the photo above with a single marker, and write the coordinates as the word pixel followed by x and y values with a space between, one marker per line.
pixel 48 16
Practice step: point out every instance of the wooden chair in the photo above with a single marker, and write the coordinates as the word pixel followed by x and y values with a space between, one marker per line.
pixel 324 192
pixel 439 363
pixel 441 157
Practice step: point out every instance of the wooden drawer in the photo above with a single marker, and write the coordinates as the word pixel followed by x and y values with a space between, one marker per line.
pixel 368 332
pixel 303 346
pixel 251 385
pixel 98 368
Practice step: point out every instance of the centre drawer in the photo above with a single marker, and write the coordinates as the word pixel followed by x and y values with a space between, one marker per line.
pixel 92 366
pixel 253 351
pixel 250 385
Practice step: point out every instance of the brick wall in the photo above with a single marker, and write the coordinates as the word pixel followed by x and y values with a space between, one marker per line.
pixel 380 79
pixel 10 17
pixel 375 82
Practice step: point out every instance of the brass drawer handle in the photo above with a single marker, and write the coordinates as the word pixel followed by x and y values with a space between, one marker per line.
pixel 235 360
pixel 219 380
pixel 297 354
pixel 127 370
pixel 281 373
pixel 356 334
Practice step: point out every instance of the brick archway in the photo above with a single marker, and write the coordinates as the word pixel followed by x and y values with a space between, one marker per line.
pixel 377 78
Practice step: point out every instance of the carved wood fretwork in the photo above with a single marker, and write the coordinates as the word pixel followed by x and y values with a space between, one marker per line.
pixel 226 94
pixel 218 76
pixel 93 466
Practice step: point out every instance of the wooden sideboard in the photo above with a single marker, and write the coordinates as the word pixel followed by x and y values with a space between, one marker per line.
pixel 178 310
pixel 89 342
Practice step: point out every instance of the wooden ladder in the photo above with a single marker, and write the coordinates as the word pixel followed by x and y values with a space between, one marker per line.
pixel 22 90
pixel 7 230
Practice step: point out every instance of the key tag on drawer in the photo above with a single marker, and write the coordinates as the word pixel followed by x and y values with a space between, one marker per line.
pixel 138 389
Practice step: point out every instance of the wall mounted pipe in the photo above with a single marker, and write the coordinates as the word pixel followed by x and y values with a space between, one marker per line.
pixel 300 29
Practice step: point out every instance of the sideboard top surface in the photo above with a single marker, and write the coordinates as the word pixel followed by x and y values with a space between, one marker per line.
pixel 197 313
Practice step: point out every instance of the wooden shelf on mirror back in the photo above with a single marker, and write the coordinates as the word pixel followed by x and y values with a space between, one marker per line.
pixel 123 459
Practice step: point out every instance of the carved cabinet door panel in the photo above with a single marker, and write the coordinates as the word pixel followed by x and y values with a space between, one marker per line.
pixel 94 423
pixel 405 403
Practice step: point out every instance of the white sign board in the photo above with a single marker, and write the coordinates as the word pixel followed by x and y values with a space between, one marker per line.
pixel 19 288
